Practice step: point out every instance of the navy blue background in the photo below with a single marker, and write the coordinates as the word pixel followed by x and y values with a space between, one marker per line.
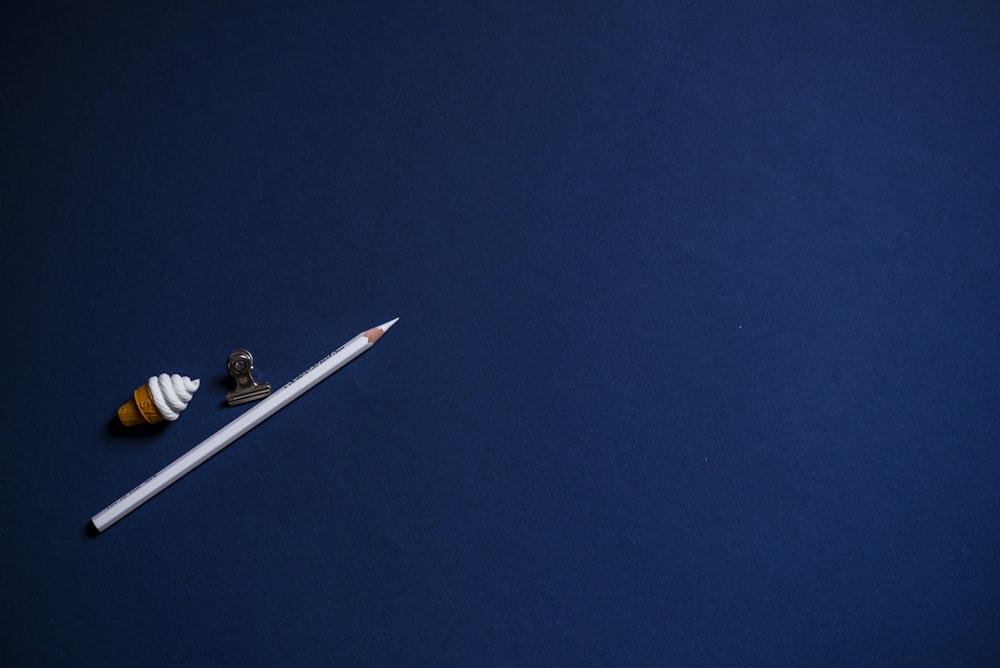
pixel 697 358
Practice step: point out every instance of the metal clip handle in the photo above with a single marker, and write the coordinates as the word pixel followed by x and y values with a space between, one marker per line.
pixel 247 389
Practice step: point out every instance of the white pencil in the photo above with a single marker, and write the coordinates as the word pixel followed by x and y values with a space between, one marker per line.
pixel 241 425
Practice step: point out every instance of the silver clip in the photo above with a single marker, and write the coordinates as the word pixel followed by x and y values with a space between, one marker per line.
pixel 247 389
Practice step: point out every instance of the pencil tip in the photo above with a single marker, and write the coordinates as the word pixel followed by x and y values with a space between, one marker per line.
pixel 375 333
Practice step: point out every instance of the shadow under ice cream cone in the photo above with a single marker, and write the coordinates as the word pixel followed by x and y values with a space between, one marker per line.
pixel 163 397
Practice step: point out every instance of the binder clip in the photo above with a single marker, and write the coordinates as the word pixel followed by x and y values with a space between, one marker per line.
pixel 247 389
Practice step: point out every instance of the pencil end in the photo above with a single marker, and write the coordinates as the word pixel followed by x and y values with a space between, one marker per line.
pixel 375 333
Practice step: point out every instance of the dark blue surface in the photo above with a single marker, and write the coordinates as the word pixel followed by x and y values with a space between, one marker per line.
pixel 696 366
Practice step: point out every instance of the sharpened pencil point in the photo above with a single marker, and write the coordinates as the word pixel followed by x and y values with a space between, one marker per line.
pixel 375 333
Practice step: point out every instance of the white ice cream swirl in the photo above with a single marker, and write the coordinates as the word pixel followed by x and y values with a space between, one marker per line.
pixel 171 394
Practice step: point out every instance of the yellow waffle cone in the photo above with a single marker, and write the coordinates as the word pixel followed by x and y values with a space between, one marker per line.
pixel 139 409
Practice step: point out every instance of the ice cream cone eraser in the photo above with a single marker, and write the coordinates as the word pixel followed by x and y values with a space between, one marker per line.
pixel 163 397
